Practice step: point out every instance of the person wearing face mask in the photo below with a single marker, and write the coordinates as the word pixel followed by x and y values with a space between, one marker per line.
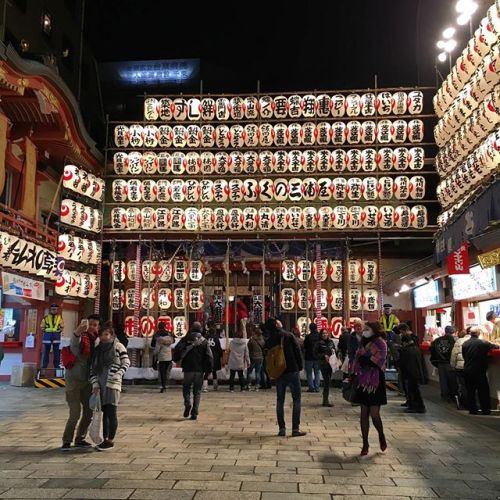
pixel 322 351
pixel 110 361
pixel 368 367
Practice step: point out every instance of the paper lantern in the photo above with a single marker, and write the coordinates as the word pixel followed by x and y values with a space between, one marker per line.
pixel 354 188
pixel 336 299
pixel 280 134
pixel 323 270
pixel 338 133
pixel 180 326
pixel 193 136
pixel 164 298
pixel 149 190
pixel 147 299
pixel 386 217
pixel 416 130
pixel 287 299
pixel 370 217
pixel 340 188
pixel 150 136
pixel 399 103
pixel 294 106
pixel 295 217
pixel 68 210
pixel 235 219
pixel 399 131
pixel 353 160
pixel 384 131
pixel 367 104
pixel 193 109
pixel 196 299
pixel 323 105
pixel 402 217
pixel 206 217
pixel 120 163
pixel 147 326
pixel 280 218
pixel 280 161
pixel 65 242
pixel 165 136
pixel 324 188
pixel 207 139
pixel 207 108
pixel 177 189
pixel 416 157
pixel 369 271
pixel 222 136
pixel 63 283
pixel 118 271
pixel 324 131
pixel 353 105
pixel 417 187
pixel 265 218
pixel 304 270
pixel 132 188
pixel 192 190
pixel 385 188
pixel 179 136
pixel 354 271
pixel 354 217
pixel 320 299
pixel 133 216
pixel 117 299
pixel 353 131
pixel 136 136
pixel 419 217
pixel 310 218
pixel 355 299
pixel 180 109
pixel 325 217
pixel 401 187
pixel 368 132
pixel 118 218
pixel 369 188
pixel 250 107
pixel 163 190
pixel 370 300
pixel 250 218
pixel 122 136
pixel 179 298
pixel 308 106
pixel 415 102
pixel 308 134
pixel 288 270
pixel 383 103
pixel 266 105
pixel 340 217
pixel 151 109
pixel 304 298
pixel 71 177
pixel 148 218
pixel 220 219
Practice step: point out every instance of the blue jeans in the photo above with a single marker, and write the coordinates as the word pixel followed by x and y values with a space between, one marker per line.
pixel 291 380
pixel 51 339
pixel 257 366
pixel 313 367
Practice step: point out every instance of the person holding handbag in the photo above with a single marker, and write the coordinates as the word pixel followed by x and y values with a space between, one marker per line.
pixel 369 367
pixel 162 345
pixel 109 363
pixel 323 350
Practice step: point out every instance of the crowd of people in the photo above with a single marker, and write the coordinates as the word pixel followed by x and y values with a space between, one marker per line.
pixel 97 361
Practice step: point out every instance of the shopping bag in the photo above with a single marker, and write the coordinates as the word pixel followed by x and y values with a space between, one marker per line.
pixel 334 363
pixel 345 365
pixel 349 389
pixel 95 429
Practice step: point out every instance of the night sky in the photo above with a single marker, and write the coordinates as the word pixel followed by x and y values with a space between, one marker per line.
pixel 329 45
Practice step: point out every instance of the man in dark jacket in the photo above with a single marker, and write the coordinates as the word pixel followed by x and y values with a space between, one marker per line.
pixel 290 377
pixel 409 357
pixel 312 364
pixel 195 356
pixel 475 353
pixel 323 350
pixel 440 358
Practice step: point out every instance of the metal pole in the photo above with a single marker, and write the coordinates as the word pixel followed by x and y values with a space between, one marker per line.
pixel 80 62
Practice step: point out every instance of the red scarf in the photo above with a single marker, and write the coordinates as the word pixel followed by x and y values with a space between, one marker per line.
pixel 87 343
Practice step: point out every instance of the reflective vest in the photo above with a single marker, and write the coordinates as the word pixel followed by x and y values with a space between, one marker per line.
pixel 52 324
pixel 393 321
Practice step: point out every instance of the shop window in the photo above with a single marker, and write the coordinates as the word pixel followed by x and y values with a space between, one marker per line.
pixel 11 323
pixel 46 23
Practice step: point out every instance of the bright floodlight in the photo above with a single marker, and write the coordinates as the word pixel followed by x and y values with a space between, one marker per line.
pixel 450 45
pixel 405 288
pixel 441 44
pixel 466 7
pixel 396 294
pixel 421 282
pixel 463 19
pixel 442 57
pixel 449 32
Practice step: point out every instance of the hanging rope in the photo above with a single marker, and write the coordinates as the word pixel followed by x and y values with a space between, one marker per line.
pixel 98 273
pixel 137 290
pixel 379 275
pixel 318 283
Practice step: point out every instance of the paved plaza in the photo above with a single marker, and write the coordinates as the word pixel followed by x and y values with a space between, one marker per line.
pixel 232 451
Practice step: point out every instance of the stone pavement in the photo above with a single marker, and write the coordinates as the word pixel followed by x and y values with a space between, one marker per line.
pixel 232 451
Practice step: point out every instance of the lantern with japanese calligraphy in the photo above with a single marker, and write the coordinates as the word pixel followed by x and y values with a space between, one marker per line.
pixel 323 105
pixel 338 133
pixel 147 303
pixel 353 105
pixel 340 217
pixel 401 187
pixel 367 160
pixel 415 102
pixel 370 300
pixel 136 136
pixel 130 298
pixel 354 217
pixel 180 109
pixel 117 299
pixel 180 326
pixel 304 270
pixel 308 106
pixel 417 187
pixel 399 131
pixel 266 105
pixel 150 136
pixel 385 188
pixel 164 298
pixel 355 299
pixel 338 105
pixel 336 299
pixel 167 321
pixel 207 108
pixel 353 160
pixel 303 323
pixel 309 218
pixel 147 326
pixel 323 270
pixel 179 295
pixel 191 219
pixel 120 163
pixel 354 188
pixel 354 271
pixel 131 270
pixel 339 188
pixel 367 104
pixel 402 216
pixel 369 271
pixel 118 270
pixel 148 218
pixel 250 107
pixel 134 163
pixel 280 218
pixel 133 216
pixel 416 130
pixel 320 298
pixel 369 188
pixel 265 218
pixel 146 270
pixel 72 177
pixel 177 189
pixel 383 103
pixel 280 134
pixel 369 217
pixel 65 242
pixel 178 163
pixel 308 134
pixel 304 298
pixel 151 109
pixel 266 189
pixel 325 217
pixel 128 326
pixel 163 190
pixel 250 218
pixel 235 219
pixel 134 190
pixel 280 161
pixel 220 219
pixel 353 131
pixel 368 132
pixel 250 189
pixel 416 157
pixel 165 136
pixel 196 299
pixel 193 109
pixel 63 283
pixel 205 219
pixel 287 299
pixel 166 109
pixel 386 217
pixel 122 136
pixel 419 217
pixel 294 106
pixel 149 190
pixel 118 218
pixel 236 108
pixel 384 131
pixel 399 103
pixel 179 136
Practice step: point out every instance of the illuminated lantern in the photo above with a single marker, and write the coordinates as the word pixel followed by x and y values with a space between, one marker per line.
pixel 320 299
pixel 207 162
pixel 369 217
pixel 287 299
pixel 340 188
pixel 147 326
pixel 386 217
pixel 368 132
pixel 401 187
pixel 304 270
pixel 163 190
pixel 288 270
pixel 193 163
pixel 294 106
pixel 416 131
pixel 355 299
pixel 222 136
pixel 383 103
pixel 134 190
pixel 265 218
pixel 207 136
pixel 220 219
pixel 118 270
pixel 150 136
pixel 354 188
pixel 308 134
pixel 369 271
pixel 353 105
pixel 340 217
pixel 251 135
pixel 324 130
pixel 336 298
pixel 250 189
pixel 177 188
pixel 136 136
pixel 164 298
pixel 147 303
pixel 419 217
pixel 149 190
pixel 151 109
pixel 68 209
pixel 180 109
pixel 417 187
pixel 133 216
pixel 402 217
pixel 250 218
pixel 266 104
pixel 193 109
pixel 323 105
pixel 323 270
pixel 251 107
pixel 165 136
pixel 295 217
pixel 354 271
pixel 191 219
pixel 207 109
pixel 304 298
pixel 280 134
pixel 120 163
pixel 236 108
pixel 310 218
pixel 384 131
pixel 122 136
pixel 118 218
pixel 415 102
pixel 325 217
pixel 385 188
pixel 117 299
pixel 280 218
pixel 338 133
pixel 72 178
pixel 370 188
pixel 63 283
pixel 367 104
pixel 148 217
pixel 367 160
pixel 353 160
pixel 205 219
pixel 235 219
pixel 370 300
pixel 266 189
pixel 353 132
pixel 196 299
pixel 399 103
pixel 416 158
pixel 178 163
pixel 354 217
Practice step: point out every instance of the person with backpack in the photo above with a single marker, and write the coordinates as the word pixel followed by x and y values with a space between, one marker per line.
pixel 162 347
pixel 256 351
pixel 196 359
pixel 239 360
pixel 284 363
pixel 76 361
pixel 441 349
pixel 109 363
pixel 213 340
pixel 322 351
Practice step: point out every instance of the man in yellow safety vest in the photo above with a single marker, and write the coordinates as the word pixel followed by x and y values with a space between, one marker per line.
pixel 52 325
pixel 388 320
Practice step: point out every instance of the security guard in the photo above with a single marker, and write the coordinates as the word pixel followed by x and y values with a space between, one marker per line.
pixel 388 320
pixel 52 325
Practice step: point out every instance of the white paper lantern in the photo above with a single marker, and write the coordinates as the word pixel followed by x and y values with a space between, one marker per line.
pixel 384 131
pixel 325 217
pixel 416 130
pixel 355 299
pixel 354 188
pixel 191 219
pixel 164 298
pixel 383 103
pixel 353 160
pixel 338 133
pixel 165 136
pixel 207 109
pixel 340 217
pixel 399 131
pixel 150 136
pixel 295 218
pixel 295 106
pixel 367 104
pixel 324 189
pixel 419 217
pixel 399 103
pixel 222 136
pixel 402 217
pixel 122 136
pixel 353 105
pixel 308 134
pixel 339 188
pixel 266 106
pixel 310 218
pixel 354 217
pixel 265 219
pixel 304 270
pixel 236 108
pixel 220 219
pixel 416 158
pixel 368 132
pixel 386 217
pixel 151 109
pixel 369 188
pixel 206 217
pixel 251 108
pixel 193 109
pixel 180 109
pixel 417 187
pixel 353 132
pixel 136 136
pixel 369 217
pixel 287 299
pixel 370 300
pixel 354 270
pixel 120 163
pixel 250 218
pixel 369 271
pixel 280 218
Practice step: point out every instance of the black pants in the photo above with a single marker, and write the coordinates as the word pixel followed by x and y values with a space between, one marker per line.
pixel 477 381
pixel 461 389
pixel 214 375
pixel 164 368
pixel 326 372
pixel 415 401
pixel 109 421
pixel 231 379
pixel 447 381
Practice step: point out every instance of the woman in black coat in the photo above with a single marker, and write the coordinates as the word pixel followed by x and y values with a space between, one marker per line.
pixel 213 340
pixel 411 372
pixel 322 351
